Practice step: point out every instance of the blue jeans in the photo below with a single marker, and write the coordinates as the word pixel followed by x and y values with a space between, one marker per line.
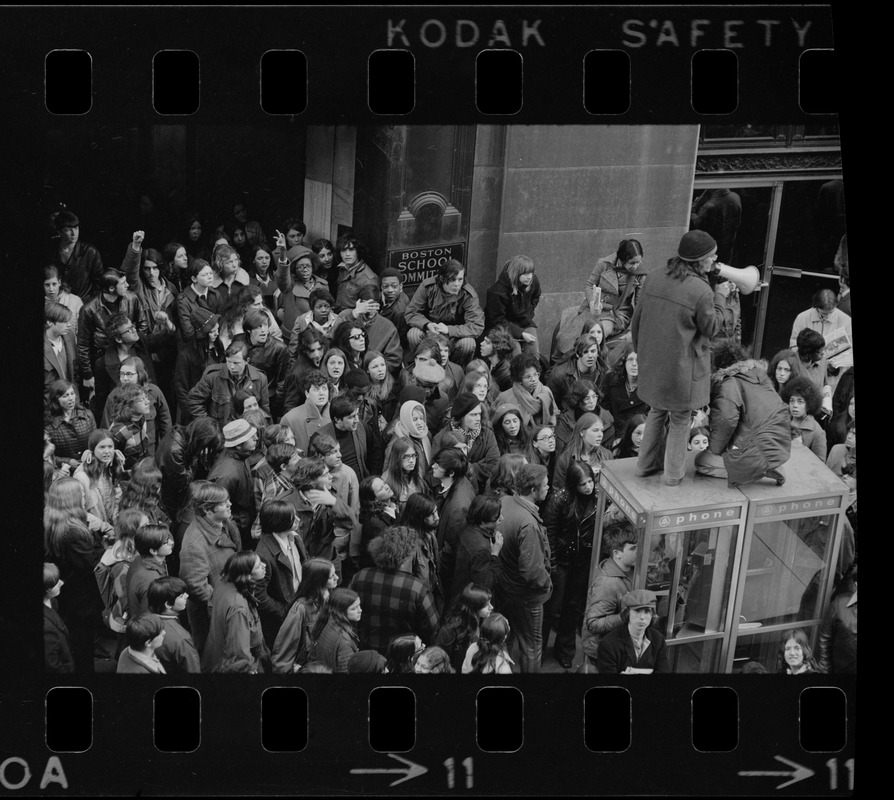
pixel 665 450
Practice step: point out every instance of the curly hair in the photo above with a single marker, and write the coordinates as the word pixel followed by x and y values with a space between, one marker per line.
pixel 143 490
pixel 726 352
pixel 806 388
pixel 393 546
pixel 502 341
pixel 521 363
pixel 124 401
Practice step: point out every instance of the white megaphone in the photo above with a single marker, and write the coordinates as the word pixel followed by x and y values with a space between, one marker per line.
pixel 746 279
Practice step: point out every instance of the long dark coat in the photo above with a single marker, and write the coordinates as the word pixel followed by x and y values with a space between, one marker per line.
pixel 672 328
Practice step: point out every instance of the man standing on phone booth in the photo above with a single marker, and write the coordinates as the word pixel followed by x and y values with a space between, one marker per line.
pixel 677 315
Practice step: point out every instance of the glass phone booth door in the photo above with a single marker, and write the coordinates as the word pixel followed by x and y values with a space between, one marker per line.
pixel 689 547
pixel 792 544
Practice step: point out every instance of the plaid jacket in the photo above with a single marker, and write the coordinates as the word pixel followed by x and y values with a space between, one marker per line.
pixel 70 437
pixel 393 603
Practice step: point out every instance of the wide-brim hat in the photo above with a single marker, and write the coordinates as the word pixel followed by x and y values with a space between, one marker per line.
pixel 428 372
pixel 237 432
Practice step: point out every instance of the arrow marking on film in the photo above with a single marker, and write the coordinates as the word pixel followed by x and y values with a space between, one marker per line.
pixel 410 771
pixel 799 773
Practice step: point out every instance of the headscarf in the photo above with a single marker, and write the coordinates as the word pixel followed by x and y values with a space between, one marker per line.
pixel 406 427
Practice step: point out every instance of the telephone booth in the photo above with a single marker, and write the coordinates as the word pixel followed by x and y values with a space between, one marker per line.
pixel 787 571
pixel 732 568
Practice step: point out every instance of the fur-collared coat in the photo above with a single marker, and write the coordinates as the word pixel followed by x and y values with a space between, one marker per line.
pixel 750 425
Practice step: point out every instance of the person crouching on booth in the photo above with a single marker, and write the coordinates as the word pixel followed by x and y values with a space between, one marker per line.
pixel 750 437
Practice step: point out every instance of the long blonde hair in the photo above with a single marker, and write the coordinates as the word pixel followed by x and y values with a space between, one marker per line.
pixel 64 515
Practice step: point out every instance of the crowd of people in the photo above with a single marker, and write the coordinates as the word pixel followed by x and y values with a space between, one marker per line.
pixel 267 457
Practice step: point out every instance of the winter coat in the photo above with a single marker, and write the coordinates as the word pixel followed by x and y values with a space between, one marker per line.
pixel 620 292
pixel 271 358
pixel 396 314
pixel 175 477
pixel 350 281
pixel 231 471
pixel 475 563
pixel 235 642
pixel 317 526
pixel 837 644
pixel 82 271
pixel 177 652
pixel 570 536
pixel 382 336
pixel 304 421
pixel 510 308
pixel 749 422
pixel 160 338
pixel 92 338
pixel 56 643
pixel 141 574
pixel 293 643
pixel 335 647
pixel 275 591
pixel 187 302
pixel 130 663
pixel 483 456
pixel 525 555
pixel 158 422
pixel 80 599
pixel 562 378
pixel 616 652
pixel 603 610
pixel 461 312
pixel 70 436
pixel 672 328
pixel 203 553
pixel 213 395
pixel 295 298
pixel 64 366
pixel 813 437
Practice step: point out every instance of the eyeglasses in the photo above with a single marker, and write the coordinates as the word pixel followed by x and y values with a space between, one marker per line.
pixel 126 373
pixel 355 336
pixel 550 438
pixel 410 457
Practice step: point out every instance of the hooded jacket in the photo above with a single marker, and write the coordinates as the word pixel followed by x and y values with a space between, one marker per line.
pixel 750 425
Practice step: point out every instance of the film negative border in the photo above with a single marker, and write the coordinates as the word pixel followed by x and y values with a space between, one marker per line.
pixel 553 44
